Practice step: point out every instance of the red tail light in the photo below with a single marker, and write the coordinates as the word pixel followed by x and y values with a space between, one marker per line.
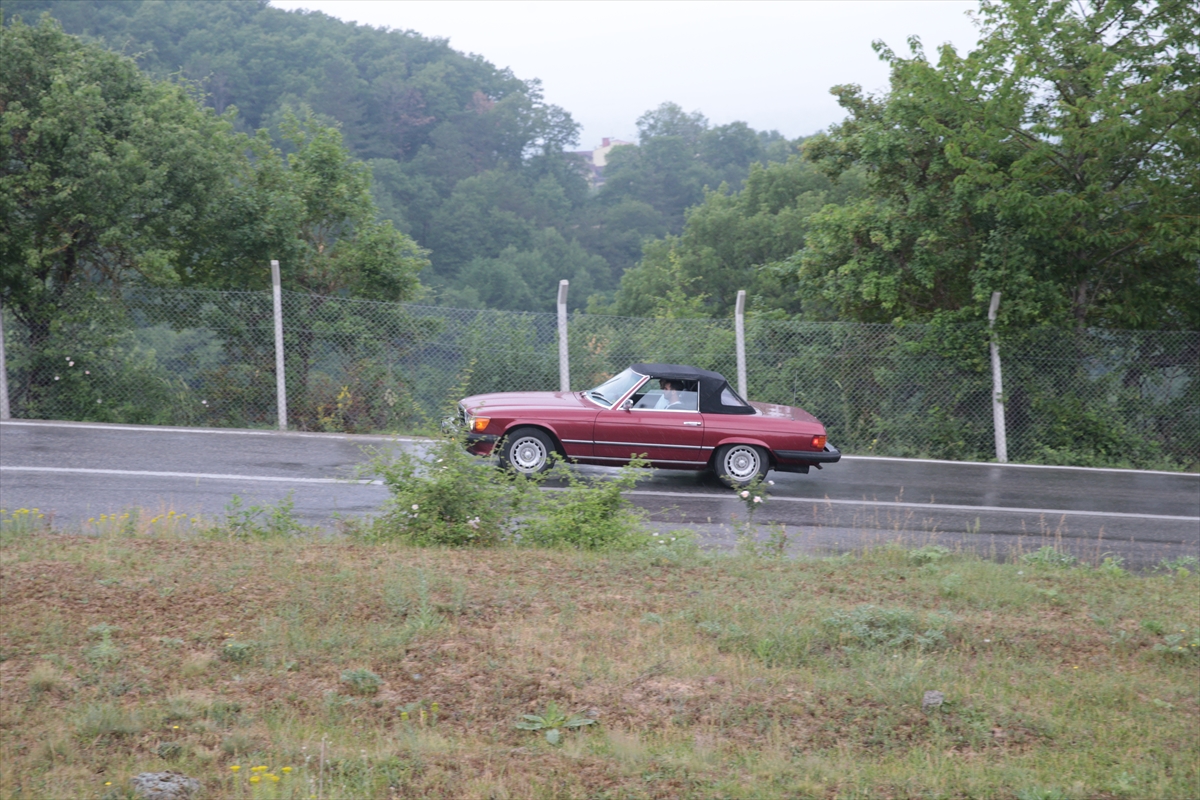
pixel 818 442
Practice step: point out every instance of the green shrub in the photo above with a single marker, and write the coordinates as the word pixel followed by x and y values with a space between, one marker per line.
pixel 868 626
pixel 445 496
pixel 237 652
pixel 1050 557
pixel 929 554
pixel 362 681
pixel 589 514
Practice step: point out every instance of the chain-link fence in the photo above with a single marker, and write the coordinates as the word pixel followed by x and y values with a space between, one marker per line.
pixel 186 357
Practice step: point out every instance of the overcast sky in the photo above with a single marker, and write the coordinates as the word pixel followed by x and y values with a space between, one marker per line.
pixel 769 64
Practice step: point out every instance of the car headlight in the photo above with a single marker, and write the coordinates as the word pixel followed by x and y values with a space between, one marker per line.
pixel 477 424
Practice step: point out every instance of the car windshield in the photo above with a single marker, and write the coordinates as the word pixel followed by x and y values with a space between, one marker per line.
pixel 614 388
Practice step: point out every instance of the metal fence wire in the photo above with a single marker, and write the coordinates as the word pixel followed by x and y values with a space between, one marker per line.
pixel 207 358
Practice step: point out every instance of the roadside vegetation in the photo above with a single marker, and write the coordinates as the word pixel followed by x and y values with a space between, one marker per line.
pixel 270 660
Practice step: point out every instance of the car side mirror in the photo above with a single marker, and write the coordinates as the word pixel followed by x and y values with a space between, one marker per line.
pixel 628 404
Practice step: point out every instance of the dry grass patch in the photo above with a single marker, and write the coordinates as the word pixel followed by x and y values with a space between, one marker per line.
pixel 383 670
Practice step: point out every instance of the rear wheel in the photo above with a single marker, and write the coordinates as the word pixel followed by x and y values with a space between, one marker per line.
pixel 739 464
pixel 526 451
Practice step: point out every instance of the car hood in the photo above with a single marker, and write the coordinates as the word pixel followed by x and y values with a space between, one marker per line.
pixel 784 412
pixel 523 400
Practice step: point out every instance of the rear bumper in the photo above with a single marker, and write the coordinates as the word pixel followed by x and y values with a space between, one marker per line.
pixel 801 460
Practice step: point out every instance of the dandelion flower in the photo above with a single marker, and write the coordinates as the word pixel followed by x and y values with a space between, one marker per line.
pixel 286 770
pixel 234 768
pixel 254 779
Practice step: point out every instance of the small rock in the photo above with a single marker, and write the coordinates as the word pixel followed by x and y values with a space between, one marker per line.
pixel 164 786
pixel 932 700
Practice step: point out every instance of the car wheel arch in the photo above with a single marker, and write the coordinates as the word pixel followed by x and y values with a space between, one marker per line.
pixel 736 440
pixel 554 438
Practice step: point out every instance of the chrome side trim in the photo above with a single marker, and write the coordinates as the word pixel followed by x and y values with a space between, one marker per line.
pixel 655 460
pixel 654 444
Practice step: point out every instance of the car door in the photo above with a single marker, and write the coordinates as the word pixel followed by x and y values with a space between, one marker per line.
pixel 669 437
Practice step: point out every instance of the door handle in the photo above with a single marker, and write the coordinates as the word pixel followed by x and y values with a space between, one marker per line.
pixel 694 424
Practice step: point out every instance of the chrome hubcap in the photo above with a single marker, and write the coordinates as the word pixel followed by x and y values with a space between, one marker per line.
pixel 528 454
pixel 741 463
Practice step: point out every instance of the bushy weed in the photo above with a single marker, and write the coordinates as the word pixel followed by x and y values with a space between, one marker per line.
pixel 22 522
pixel 106 720
pixel 445 496
pixel 1049 557
pixel 869 626
pixel 362 681
pixel 928 554
pixel 589 514
pixel 260 521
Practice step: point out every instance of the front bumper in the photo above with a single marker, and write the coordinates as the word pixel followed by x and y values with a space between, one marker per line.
pixel 481 444
pixel 801 460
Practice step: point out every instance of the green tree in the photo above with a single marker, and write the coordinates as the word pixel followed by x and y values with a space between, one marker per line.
pixel 733 242
pixel 527 280
pixel 1057 163
pixel 105 175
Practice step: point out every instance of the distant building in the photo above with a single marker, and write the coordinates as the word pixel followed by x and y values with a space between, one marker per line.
pixel 595 160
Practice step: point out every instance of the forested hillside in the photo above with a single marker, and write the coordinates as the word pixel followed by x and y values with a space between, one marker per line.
pixel 466 158
pixel 1057 163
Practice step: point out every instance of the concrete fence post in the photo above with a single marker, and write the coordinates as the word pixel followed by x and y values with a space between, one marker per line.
pixel 564 358
pixel 997 385
pixel 739 325
pixel 280 377
pixel 4 410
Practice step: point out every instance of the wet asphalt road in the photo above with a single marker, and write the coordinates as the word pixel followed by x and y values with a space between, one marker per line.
pixel 80 470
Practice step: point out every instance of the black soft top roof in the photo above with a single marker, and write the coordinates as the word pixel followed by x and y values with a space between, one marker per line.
pixel 711 384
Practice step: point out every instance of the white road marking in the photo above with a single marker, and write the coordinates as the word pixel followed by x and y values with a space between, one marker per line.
pixel 932 506
pixel 1011 465
pixel 643 493
pixel 197 475
pixel 218 431
pixel 352 436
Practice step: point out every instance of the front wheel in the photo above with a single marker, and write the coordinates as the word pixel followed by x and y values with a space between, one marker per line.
pixel 526 451
pixel 739 464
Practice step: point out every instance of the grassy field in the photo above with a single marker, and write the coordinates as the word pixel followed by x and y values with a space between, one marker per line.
pixel 301 666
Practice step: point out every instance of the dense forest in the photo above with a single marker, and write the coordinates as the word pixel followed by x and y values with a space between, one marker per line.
pixel 465 158
pixel 1057 162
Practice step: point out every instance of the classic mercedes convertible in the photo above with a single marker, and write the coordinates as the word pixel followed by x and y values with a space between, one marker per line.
pixel 674 416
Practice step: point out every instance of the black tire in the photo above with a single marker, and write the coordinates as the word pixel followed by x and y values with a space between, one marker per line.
pixel 739 464
pixel 527 451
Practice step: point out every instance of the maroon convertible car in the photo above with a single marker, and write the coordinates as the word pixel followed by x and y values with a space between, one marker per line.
pixel 677 417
